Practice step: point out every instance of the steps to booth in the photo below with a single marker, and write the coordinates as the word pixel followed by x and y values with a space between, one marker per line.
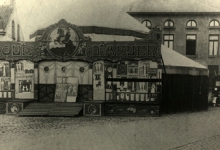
pixel 51 109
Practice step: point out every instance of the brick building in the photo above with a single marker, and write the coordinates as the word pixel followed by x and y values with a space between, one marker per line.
pixel 191 28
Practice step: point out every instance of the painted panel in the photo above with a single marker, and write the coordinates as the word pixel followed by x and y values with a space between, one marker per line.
pixel 63 71
pixel 47 72
pixel 5 84
pixel 14 107
pixel 82 72
pixel 98 81
pixel 131 109
pixel 5 69
pixel 24 79
pixel 72 89
pixel 61 93
pixel 64 42
pixel 92 109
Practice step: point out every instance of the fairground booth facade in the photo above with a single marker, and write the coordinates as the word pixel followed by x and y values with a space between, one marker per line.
pixel 65 73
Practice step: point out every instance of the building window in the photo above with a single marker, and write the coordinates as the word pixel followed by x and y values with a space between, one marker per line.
pixel 190 44
pixel 191 24
pixel 18 33
pixel 169 24
pixel 214 23
pixel 168 40
pixel 147 23
pixel 13 29
pixel 213 45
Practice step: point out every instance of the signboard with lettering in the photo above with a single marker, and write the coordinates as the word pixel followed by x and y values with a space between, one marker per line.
pixel 123 50
pixel 64 41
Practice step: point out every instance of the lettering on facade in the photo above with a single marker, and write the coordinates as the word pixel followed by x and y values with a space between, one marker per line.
pixel 14 49
pixel 87 50
pixel 124 50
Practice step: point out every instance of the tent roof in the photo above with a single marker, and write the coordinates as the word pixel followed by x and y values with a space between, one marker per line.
pixel 176 63
pixel 81 13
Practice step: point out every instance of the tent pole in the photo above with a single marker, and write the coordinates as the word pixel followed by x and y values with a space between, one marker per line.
pixel 163 64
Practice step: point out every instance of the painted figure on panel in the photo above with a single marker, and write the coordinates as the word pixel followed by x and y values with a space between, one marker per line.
pixel 5 84
pixel 98 67
pixel 24 67
pixel 72 90
pixel 25 86
pixel 4 69
pixel 64 41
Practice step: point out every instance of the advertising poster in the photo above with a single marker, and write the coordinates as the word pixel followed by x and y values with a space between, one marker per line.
pixel 98 75
pixel 24 79
pixel 152 73
pixel 24 67
pixel 143 67
pixel 72 89
pixel 122 69
pixel 5 84
pixel 133 68
pixel 25 85
pixel 61 92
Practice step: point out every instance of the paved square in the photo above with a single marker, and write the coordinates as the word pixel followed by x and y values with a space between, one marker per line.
pixel 188 130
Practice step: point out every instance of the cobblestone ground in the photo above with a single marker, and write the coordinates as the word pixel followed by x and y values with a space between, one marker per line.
pixel 190 131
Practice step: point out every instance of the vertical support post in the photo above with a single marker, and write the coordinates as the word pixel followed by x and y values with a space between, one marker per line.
pixel 98 80
pixel 36 81
pixel 12 71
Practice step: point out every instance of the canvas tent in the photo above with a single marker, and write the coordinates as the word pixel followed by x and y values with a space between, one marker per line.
pixel 178 64
pixel 184 80
pixel 91 13
pixel 185 84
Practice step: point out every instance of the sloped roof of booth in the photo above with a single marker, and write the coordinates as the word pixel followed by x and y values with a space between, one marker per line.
pixel 192 6
pixel 176 63
pixel 83 13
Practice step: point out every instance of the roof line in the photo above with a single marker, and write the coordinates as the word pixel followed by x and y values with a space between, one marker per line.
pixel 173 13
pixel 101 30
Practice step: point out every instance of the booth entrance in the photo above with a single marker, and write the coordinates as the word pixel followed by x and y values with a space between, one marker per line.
pixel 54 74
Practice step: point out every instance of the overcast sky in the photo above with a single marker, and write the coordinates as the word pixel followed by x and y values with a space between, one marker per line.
pixel 33 13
